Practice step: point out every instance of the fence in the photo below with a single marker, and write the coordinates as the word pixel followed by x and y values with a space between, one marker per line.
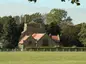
pixel 63 49
pixel 56 49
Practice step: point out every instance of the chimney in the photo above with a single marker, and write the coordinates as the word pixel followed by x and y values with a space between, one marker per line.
pixel 25 25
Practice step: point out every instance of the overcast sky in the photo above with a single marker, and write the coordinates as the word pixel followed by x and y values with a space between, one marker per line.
pixel 21 7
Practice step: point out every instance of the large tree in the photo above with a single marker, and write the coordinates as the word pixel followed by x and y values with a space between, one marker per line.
pixel 69 33
pixel 82 34
pixel 10 32
pixel 69 36
pixel 56 16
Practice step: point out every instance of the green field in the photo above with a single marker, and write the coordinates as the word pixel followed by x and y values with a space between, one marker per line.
pixel 42 58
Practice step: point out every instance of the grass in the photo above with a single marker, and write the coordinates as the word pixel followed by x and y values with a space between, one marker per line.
pixel 42 58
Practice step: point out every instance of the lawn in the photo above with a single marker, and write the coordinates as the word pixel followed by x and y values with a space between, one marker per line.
pixel 42 58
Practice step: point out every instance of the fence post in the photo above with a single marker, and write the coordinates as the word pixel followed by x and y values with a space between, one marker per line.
pixel 50 49
pixel 69 49
pixel 63 49
pixel 56 49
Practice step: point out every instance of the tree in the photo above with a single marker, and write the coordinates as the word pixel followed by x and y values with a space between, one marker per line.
pixel 10 32
pixel 1 27
pixel 67 21
pixel 19 19
pixel 72 1
pixel 10 35
pixel 70 37
pixel 56 15
pixel 52 29
pixel 82 34
pixel 53 19
pixel 27 18
pixel 69 33
pixel 33 17
pixel 39 20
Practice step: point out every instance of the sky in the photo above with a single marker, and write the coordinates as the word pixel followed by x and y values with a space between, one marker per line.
pixel 21 7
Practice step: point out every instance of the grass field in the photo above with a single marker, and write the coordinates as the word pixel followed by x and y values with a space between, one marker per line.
pixel 42 58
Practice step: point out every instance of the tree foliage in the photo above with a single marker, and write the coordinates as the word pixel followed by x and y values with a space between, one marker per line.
pixel 33 17
pixel 52 29
pixel 72 1
pixel 82 34
pixel 56 15
pixel 10 32
pixel 70 37
pixel 57 23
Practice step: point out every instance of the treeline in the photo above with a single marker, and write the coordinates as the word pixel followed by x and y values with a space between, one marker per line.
pixel 55 22
pixel 10 32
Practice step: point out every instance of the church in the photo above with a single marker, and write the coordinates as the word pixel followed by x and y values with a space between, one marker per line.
pixel 34 36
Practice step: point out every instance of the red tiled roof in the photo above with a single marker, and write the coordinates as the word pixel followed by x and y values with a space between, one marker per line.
pixel 55 37
pixel 38 36
pixel 24 38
